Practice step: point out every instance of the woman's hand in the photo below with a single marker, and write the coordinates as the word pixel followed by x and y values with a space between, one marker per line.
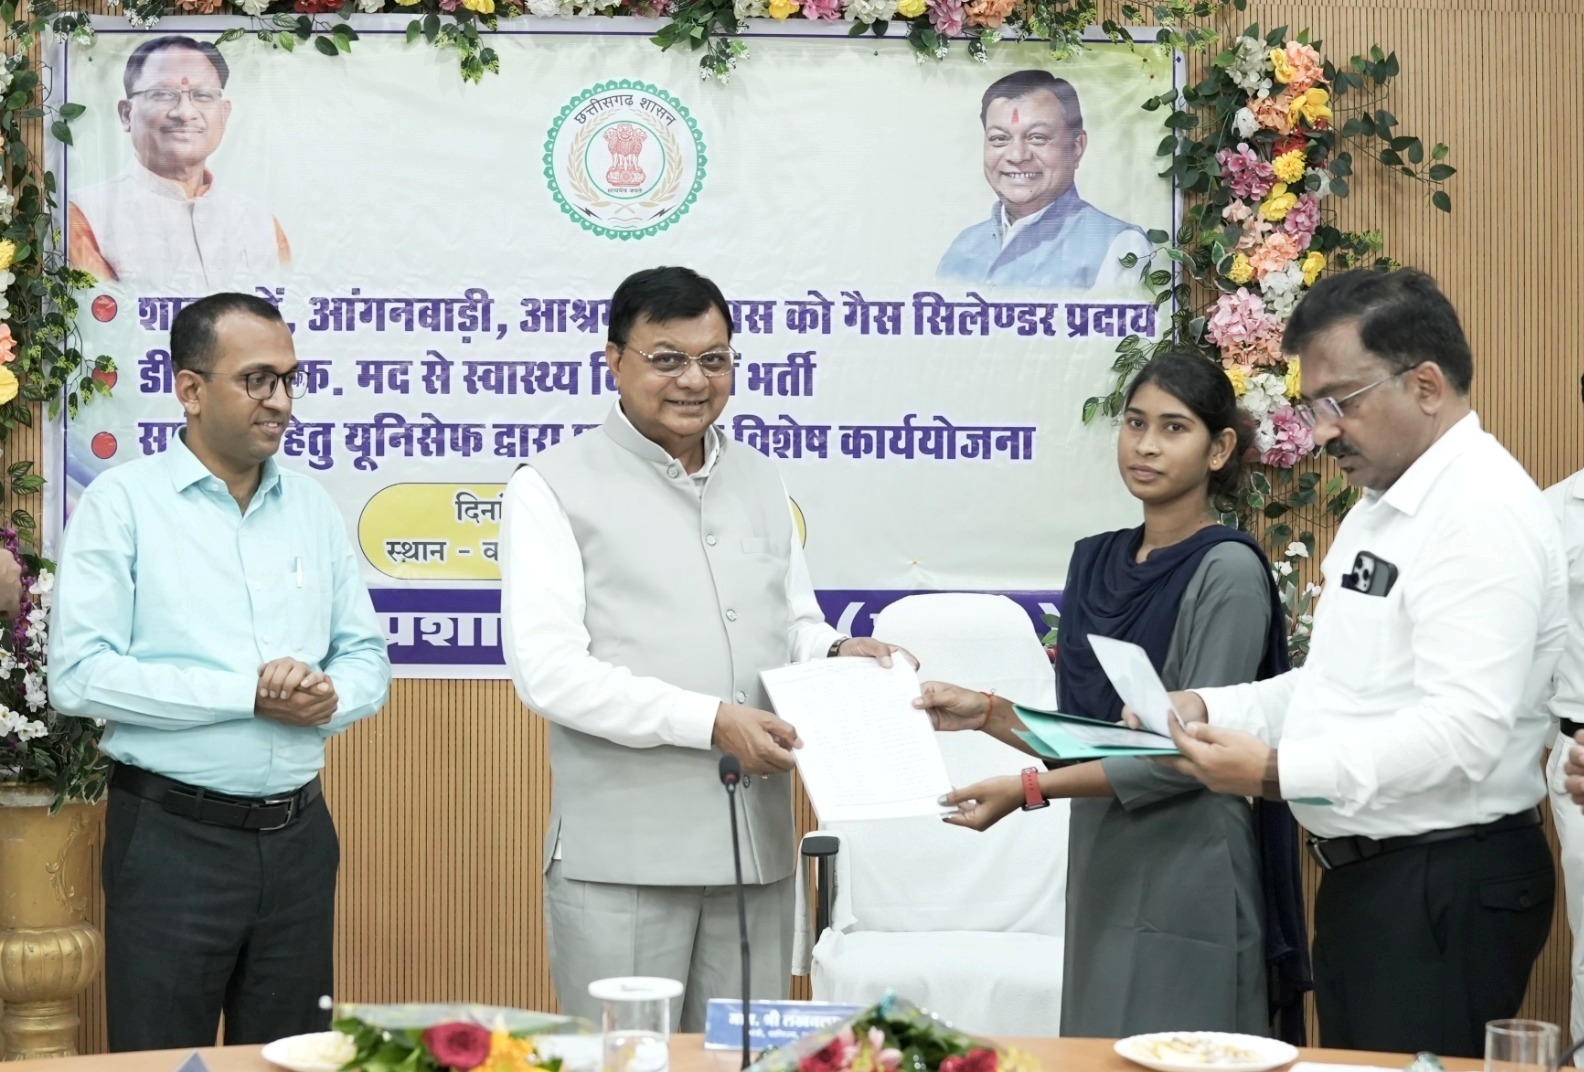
pixel 983 804
pixel 951 707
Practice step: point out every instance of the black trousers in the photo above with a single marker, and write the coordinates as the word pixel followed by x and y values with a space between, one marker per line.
pixel 203 919
pixel 1417 949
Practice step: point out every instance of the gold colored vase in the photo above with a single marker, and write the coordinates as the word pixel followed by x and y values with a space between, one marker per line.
pixel 49 951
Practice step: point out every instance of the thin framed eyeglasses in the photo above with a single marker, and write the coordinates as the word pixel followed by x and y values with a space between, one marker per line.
pixel 1331 408
pixel 165 97
pixel 260 383
pixel 673 363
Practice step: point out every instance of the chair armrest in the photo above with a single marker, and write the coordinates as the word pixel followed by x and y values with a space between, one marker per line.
pixel 822 848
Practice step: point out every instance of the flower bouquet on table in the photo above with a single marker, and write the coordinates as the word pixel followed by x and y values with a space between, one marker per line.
pixel 894 1036
pixel 430 1038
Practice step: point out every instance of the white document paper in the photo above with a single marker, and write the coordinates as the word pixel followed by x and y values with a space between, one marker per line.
pixel 1135 680
pixel 867 752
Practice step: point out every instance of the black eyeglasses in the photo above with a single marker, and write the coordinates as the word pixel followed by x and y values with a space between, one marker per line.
pixel 1330 409
pixel 673 362
pixel 260 384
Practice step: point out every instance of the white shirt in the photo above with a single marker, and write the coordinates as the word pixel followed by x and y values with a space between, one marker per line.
pixel 547 645
pixel 1422 710
pixel 1566 500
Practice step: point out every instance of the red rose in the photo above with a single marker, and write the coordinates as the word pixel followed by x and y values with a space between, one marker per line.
pixel 1289 143
pixel 828 1059
pixel 458 1046
pixel 318 7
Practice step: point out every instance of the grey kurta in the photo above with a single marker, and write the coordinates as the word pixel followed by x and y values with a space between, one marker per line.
pixel 1164 904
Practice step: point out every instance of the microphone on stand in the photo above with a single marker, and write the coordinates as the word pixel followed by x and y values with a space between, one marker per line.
pixel 731 778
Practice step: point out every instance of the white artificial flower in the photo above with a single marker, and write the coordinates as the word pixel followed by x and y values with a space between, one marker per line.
pixel 43 584
pixel 1245 124
pixel 1296 550
pixel 7 204
pixel 1250 67
pixel 253 7
pixel 1325 182
pixel 33 690
pixel 30 729
pixel 550 8
pixel 1311 589
pixel 1264 435
pixel 8 722
pixel 5 78
pixel 1281 290
pixel 1265 395
pixel 6 279
pixel 871 10
pixel 1283 569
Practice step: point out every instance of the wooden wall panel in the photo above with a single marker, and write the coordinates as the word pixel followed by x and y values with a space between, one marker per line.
pixel 441 799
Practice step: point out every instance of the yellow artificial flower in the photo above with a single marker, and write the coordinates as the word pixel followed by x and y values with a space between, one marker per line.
pixel 1312 105
pixel 1312 266
pixel 780 9
pixel 483 7
pixel 1289 167
pixel 910 9
pixel 1277 203
pixel 8 385
pixel 1283 69
pixel 864 1061
pixel 1239 378
pixel 1012 1060
pixel 7 253
pixel 1241 271
pixel 508 1054
pixel 1290 381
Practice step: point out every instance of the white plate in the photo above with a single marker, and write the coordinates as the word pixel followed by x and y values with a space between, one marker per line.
pixel 1257 1054
pixel 322 1051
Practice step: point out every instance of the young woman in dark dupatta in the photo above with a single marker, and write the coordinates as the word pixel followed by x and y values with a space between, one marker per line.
pixel 1184 909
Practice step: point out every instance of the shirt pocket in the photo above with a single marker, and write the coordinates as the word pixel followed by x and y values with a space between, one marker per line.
pixel 308 595
pixel 1358 631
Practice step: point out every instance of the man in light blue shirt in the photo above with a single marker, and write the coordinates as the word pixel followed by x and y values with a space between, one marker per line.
pixel 1040 232
pixel 211 611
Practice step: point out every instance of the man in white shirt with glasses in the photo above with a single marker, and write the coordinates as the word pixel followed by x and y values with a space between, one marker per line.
pixel 1409 744
pixel 650 569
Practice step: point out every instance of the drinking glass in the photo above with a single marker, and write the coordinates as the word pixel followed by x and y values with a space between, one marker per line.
pixel 1520 1046
pixel 636 1020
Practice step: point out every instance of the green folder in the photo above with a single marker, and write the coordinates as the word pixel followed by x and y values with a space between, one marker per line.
pixel 1070 737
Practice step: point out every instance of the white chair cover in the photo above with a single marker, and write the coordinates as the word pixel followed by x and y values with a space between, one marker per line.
pixel 968 925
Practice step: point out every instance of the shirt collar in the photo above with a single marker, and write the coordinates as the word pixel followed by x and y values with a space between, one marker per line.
pixel 160 186
pixel 1410 489
pixel 619 428
pixel 1056 211
pixel 186 469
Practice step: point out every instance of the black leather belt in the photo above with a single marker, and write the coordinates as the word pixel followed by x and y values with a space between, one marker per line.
pixel 1570 727
pixel 1331 853
pixel 218 809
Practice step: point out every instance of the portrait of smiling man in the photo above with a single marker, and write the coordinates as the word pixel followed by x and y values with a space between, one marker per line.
pixel 1040 233
pixel 166 219
pixel 209 608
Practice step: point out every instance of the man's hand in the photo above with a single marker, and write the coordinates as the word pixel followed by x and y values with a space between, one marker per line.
pixel 1226 761
pixel 295 693
pixel 761 742
pixel 878 650
pixel 983 804
pixel 1190 707
pixel 10 586
pixel 1574 770
pixel 952 707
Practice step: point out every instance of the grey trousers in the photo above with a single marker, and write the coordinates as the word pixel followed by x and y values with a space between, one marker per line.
pixel 601 930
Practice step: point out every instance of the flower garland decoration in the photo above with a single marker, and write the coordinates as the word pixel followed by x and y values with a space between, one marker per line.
pixel 894 1036
pixel 456 1045
pixel 1259 232
pixel 38 745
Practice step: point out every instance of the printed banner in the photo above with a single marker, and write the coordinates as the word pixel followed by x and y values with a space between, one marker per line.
pixel 923 264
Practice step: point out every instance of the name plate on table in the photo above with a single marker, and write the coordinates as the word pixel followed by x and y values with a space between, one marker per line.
pixel 194 1063
pixel 770 1023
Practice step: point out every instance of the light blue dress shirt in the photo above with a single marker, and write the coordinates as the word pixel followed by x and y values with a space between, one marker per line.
pixel 1064 247
pixel 169 599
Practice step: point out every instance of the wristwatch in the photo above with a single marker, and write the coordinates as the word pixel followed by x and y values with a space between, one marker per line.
pixel 1033 796
pixel 835 648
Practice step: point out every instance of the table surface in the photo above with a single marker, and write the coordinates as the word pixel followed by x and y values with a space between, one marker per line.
pixel 688 1055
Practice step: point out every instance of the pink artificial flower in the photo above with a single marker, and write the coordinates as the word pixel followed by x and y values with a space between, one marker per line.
pixel 946 16
pixel 1238 315
pixel 1277 252
pixel 1260 350
pixel 1246 174
pixel 1302 220
pixel 1253 229
pixel 7 345
pixel 1293 440
pixel 1307 66
pixel 829 10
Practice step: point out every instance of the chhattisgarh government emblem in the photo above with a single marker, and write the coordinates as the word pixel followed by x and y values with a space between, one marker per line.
pixel 624 159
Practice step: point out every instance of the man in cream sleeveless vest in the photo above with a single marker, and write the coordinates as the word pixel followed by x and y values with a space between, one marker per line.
pixel 650 570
